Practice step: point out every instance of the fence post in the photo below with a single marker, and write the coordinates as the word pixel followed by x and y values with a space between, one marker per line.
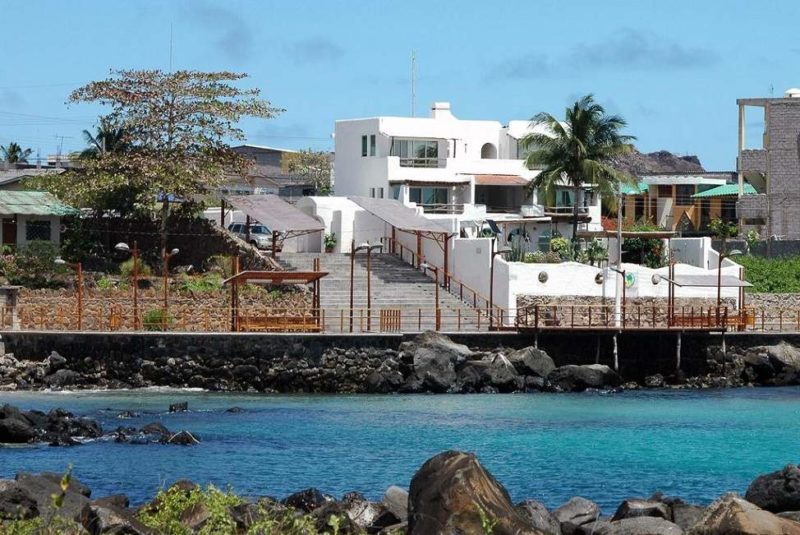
pixel 536 317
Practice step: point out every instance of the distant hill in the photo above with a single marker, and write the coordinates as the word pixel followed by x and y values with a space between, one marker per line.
pixel 638 163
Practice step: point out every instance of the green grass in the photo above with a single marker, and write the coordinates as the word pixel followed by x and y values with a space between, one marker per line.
pixel 776 275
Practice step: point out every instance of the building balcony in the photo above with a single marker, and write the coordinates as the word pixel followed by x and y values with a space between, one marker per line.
pixel 752 160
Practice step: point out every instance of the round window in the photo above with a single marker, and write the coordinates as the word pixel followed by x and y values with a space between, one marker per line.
pixel 543 277
pixel 598 278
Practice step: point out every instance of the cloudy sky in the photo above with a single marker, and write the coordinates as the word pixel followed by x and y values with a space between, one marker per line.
pixel 673 69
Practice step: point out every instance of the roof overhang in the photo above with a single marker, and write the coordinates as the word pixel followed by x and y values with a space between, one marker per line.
pixel 275 213
pixel 276 277
pixel 400 216
pixel 681 180
pixel 656 234
pixel 709 281
pixel 500 180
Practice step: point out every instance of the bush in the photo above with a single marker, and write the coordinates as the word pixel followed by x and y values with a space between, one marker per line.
pixel 646 251
pixel 539 257
pixel 33 265
pixel 211 282
pixel 126 268
pixel 775 275
pixel 157 319
pixel 561 246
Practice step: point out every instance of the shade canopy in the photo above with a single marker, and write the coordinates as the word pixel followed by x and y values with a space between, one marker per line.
pixel 399 215
pixel 722 191
pixel 275 213
pixel 32 203
pixel 500 180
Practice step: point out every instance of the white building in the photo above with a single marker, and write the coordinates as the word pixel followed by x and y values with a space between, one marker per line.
pixel 465 170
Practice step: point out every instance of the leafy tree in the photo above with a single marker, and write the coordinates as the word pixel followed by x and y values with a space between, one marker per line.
pixel 107 138
pixel 14 153
pixel 174 127
pixel 578 152
pixel 723 230
pixel 312 165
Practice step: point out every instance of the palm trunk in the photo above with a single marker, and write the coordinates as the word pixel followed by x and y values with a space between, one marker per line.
pixel 576 190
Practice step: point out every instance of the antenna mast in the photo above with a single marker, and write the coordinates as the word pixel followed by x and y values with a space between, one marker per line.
pixel 413 82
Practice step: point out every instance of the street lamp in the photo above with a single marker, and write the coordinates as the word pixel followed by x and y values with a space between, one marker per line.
pixel 722 256
pixel 124 248
pixel 426 266
pixel 353 251
pixel 167 256
pixel 369 279
pixel 79 272
pixel 503 250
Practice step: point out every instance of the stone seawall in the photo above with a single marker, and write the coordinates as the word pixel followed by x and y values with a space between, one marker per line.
pixel 354 363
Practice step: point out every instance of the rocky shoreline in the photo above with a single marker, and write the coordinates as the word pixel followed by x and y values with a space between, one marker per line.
pixel 431 363
pixel 452 493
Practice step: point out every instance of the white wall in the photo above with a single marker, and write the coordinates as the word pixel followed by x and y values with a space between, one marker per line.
pixel 55 228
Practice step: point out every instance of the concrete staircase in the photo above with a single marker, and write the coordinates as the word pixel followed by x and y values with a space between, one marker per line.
pixel 396 286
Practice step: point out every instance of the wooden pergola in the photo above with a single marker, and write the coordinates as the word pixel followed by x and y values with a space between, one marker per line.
pixel 272 322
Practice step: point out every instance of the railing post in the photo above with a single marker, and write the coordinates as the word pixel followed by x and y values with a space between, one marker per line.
pixel 536 316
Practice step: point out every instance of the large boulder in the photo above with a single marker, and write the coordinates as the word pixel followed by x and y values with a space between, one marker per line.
pixel 777 491
pixel 453 494
pixel 633 508
pixel 17 503
pixel 532 361
pixel 576 512
pixel 395 499
pixel 107 518
pixel 577 378
pixel 782 355
pixel 15 427
pixel 733 515
pixel 42 488
pixel 361 511
pixel 643 525
pixel 502 374
pixel 435 358
pixel 539 517
pixel 307 500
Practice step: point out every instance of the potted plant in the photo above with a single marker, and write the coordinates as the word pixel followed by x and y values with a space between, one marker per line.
pixel 330 242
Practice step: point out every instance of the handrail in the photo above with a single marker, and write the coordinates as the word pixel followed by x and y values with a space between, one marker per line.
pixel 448 281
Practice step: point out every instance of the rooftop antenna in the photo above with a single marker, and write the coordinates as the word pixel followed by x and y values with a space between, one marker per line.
pixel 413 82
pixel 771 90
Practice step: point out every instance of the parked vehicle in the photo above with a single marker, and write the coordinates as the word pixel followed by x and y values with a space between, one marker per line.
pixel 260 235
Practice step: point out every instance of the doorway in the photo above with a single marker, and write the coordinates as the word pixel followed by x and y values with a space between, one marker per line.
pixel 10 232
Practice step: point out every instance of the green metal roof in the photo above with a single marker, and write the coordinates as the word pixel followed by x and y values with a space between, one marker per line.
pixel 636 189
pixel 727 189
pixel 32 203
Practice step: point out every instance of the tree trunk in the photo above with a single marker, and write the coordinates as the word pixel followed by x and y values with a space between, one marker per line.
pixel 163 230
pixel 576 190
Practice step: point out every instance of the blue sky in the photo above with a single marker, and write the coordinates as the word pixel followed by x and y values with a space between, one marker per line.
pixel 673 69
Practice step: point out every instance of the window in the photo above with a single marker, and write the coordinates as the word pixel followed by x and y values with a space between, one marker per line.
pixel 372 145
pixel 372 192
pixel 416 152
pixel 428 196
pixel 665 191
pixel 396 193
pixel 363 146
pixel 683 194
pixel 37 230
pixel 380 193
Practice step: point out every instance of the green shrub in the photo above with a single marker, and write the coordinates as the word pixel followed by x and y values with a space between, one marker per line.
pixel 126 268
pixel 539 257
pixel 561 246
pixel 772 275
pixel 157 319
pixel 210 282
pixel 33 265
pixel 222 264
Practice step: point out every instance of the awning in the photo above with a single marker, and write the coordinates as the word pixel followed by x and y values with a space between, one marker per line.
pixel 399 215
pixel 727 189
pixel 500 180
pixel 710 281
pixel 32 203
pixel 275 213
pixel 639 188
pixel 644 234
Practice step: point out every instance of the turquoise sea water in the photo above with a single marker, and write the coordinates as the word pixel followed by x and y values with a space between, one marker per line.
pixel 694 444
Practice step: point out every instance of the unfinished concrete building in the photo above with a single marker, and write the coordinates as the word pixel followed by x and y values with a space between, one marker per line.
pixel 773 168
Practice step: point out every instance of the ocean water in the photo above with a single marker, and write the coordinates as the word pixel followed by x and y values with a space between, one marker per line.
pixel 694 444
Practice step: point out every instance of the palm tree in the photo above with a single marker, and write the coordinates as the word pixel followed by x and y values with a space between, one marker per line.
pixel 13 153
pixel 107 139
pixel 577 152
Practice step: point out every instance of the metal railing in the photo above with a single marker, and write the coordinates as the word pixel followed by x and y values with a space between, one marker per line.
pixel 442 208
pixel 423 162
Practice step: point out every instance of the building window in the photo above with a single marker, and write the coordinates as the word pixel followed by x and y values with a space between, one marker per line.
pixel 396 193
pixel 372 145
pixel 665 191
pixel 363 146
pixel 416 152
pixel 428 196
pixel 37 230
pixel 372 193
pixel 683 194
pixel 380 193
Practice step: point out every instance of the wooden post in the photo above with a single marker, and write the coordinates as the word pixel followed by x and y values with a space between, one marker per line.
pixel 274 240
pixel 222 214
pixel 419 248
pixel 446 258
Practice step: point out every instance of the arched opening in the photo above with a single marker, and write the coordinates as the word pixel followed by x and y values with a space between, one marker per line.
pixel 488 152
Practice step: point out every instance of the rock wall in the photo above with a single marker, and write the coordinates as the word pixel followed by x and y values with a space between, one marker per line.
pixel 597 311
